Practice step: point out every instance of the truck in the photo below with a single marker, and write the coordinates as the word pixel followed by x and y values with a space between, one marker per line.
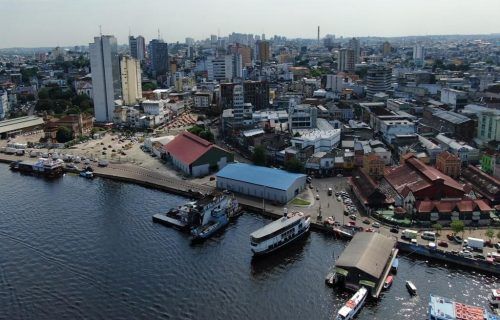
pixel 475 243
pixel 409 234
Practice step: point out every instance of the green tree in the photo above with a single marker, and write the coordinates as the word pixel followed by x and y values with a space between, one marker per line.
pixel 294 165
pixel 64 135
pixel 259 156
pixel 149 86
pixel 438 227
pixel 457 226
pixel 490 233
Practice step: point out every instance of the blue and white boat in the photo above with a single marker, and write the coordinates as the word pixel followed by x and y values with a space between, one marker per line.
pixel 217 210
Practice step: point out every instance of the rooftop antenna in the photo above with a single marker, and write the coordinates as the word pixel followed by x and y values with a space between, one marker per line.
pixel 159 37
pixel 100 30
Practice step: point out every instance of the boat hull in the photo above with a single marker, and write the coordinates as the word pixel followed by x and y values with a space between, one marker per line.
pixel 267 251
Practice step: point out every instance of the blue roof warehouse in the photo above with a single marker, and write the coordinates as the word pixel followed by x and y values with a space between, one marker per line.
pixel 261 182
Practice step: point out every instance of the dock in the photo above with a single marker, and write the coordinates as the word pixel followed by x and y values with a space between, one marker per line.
pixel 163 219
pixel 386 272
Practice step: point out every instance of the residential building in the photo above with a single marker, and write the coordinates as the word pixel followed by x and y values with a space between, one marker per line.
pixel 488 128
pixel 418 54
pixel 455 98
pixel 490 163
pixel 263 53
pixel 195 156
pixel 302 116
pixel 106 84
pixel 355 47
pixel 137 47
pixel 346 60
pixel 159 57
pixel 386 49
pixel 463 151
pixel 220 68
pixel 202 100
pixel 390 129
pixel 131 80
pixel 244 51
pixel 4 104
pixel 261 182
pixel 238 105
pixel 256 93
pixel 373 165
pixel 449 164
pixel 378 79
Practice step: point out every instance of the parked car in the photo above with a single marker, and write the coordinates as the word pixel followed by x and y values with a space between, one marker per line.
pixel 497 245
pixel 317 196
pixel 394 230
pixel 366 221
pixel 449 236
pixel 352 217
pixel 346 213
pixel 369 230
pixel 457 239
pixel 443 244
pixel 352 223
pixel 376 225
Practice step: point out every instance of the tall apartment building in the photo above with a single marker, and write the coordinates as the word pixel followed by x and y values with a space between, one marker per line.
pixel 386 49
pixel 131 80
pixel 244 51
pixel 106 84
pixel 256 93
pixel 220 68
pixel 354 45
pixel 418 54
pixel 159 57
pixel 238 105
pixel 137 47
pixel 263 53
pixel 4 104
pixel 346 60
pixel 378 79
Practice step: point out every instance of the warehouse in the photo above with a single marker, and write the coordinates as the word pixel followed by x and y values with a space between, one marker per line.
pixel 366 261
pixel 261 182
pixel 13 127
pixel 196 156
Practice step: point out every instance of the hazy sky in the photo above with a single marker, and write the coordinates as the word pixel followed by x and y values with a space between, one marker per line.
pixel 32 23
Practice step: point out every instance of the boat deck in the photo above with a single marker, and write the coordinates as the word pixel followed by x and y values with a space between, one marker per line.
pixel 165 220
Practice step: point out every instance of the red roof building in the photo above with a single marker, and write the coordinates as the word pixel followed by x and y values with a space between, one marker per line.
pixel 196 156
pixel 476 212
pixel 423 181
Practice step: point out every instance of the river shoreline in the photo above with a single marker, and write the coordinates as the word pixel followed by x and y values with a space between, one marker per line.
pixel 149 179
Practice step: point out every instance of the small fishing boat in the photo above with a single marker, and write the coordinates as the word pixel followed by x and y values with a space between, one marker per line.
pixel 412 289
pixel 388 282
pixel 331 279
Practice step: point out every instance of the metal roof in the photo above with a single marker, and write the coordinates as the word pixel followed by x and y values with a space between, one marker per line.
pixel 452 117
pixel 263 176
pixel 20 123
pixel 368 252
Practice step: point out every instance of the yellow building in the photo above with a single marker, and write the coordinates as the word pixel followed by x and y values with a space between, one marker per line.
pixel 131 80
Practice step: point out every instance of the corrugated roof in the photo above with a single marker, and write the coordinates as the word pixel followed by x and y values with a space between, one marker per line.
pixel 451 116
pixel 188 147
pixel 263 176
pixel 20 123
pixel 368 252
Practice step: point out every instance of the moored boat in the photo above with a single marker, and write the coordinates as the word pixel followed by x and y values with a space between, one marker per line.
pixel 351 308
pixel 412 289
pixel 388 282
pixel 279 233
pixel 495 298
pixel 395 265
pixel 447 309
pixel 331 279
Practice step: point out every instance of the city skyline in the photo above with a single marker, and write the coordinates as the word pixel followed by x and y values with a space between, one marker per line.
pixel 295 20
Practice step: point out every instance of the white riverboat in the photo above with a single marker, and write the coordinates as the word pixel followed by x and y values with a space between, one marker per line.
pixel 351 308
pixel 279 233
